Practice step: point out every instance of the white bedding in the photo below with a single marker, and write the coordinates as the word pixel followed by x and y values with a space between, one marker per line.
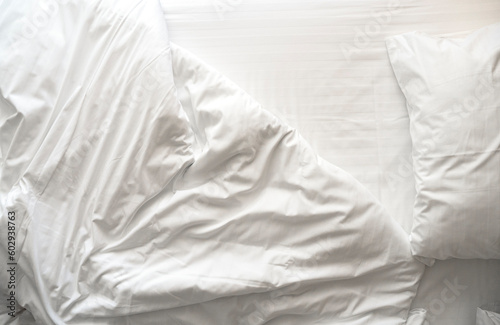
pixel 288 56
pixel 452 91
pixel 124 206
pixel 291 57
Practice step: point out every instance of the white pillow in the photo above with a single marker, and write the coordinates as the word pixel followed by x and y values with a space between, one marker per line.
pixel 452 89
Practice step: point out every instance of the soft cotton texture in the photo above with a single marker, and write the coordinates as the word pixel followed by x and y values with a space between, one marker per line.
pixel 452 89
pixel 134 209
pixel 289 56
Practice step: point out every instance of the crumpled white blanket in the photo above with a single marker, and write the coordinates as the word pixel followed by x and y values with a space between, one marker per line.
pixel 131 208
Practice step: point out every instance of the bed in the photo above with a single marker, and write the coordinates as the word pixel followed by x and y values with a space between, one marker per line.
pixel 261 87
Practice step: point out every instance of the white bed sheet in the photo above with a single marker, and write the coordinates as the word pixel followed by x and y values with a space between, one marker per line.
pixel 322 67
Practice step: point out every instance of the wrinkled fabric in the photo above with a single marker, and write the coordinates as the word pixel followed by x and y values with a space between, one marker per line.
pixel 322 67
pixel 417 316
pixel 488 314
pixel 452 89
pixel 132 208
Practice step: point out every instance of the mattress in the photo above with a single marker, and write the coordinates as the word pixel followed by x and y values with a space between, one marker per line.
pixel 321 69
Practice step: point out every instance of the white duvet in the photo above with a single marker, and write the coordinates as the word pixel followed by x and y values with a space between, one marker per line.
pixel 131 208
